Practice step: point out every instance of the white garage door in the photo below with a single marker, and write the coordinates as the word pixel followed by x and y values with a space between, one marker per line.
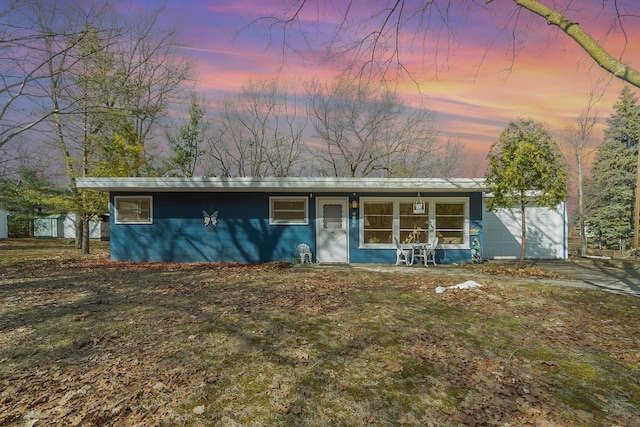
pixel 546 233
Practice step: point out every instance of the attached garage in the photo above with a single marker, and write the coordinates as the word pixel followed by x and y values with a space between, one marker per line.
pixel 546 232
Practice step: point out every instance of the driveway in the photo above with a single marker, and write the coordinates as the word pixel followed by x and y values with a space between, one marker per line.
pixel 596 276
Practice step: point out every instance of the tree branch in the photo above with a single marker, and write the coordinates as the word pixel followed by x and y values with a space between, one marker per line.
pixel 584 40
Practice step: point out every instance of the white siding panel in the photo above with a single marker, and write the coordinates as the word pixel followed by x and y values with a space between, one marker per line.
pixel 501 234
pixel 70 227
pixel 546 233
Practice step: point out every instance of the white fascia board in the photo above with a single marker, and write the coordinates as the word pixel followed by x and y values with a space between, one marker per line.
pixel 530 193
pixel 289 184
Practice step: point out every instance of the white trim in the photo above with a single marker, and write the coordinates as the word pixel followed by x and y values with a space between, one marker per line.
pixel 430 202
pixel 287 184
pixel 115 209
pixel 304 199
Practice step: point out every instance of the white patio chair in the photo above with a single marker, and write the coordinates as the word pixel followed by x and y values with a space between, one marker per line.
pixel 430 255
pixel 304 251
pixel 403 256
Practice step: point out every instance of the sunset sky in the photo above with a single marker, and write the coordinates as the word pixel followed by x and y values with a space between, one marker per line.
pixel 474 89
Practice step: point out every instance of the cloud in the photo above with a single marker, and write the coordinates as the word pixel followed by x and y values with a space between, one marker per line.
pixel 472 78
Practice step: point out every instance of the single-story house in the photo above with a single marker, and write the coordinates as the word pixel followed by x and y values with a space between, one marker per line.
pixel 4 225
pixel 248 220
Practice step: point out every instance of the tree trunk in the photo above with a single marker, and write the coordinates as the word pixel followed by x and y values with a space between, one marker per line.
pixel 636 210
pixel 583 234
pixel 85 234
pixel 78 238
pixel 524 235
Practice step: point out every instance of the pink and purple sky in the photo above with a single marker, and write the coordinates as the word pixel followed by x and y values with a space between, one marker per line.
pixel 475 90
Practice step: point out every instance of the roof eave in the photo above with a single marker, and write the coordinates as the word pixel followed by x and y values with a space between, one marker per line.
pixel 281 185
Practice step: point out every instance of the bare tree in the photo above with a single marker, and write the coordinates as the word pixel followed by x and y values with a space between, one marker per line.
pixel 153 72
pixel 579 139
pixel 33 44
pixel 449 159
pixel 258 132
pixel 104 81
pixel 367 130
pixel 373 37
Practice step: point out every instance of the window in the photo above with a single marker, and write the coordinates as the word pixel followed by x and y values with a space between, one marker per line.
pixel 288 210
pixel 413 227
pixel 332 216
pixel 378 222
pixel 382 220
pixel 133 210
pixel 450 223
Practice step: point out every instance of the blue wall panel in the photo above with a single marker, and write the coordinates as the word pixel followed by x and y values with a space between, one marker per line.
pixel 243 233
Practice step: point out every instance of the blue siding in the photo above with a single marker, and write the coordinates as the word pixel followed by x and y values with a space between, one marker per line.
pixel 178 234
pixel 243 233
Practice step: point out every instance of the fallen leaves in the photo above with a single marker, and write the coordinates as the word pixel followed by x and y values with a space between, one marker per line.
pixel 294 410
pixel 93 342
pixel 509 270
pixel 393 366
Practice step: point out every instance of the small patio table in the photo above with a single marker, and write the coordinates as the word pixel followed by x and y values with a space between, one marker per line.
pixel 424 252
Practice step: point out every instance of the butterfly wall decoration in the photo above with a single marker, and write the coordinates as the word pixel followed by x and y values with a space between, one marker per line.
pixel 210 219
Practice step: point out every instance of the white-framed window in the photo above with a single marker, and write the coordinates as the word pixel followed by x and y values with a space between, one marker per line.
pixel 450 222
pixel 288 210
pixel 377 224
pixel 384 219
pixel 133 209
pixel 414 227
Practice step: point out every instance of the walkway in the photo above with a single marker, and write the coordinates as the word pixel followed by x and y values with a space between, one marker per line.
pixel 613 279
pixel 580 273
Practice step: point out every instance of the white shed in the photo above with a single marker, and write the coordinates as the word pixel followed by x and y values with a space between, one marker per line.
pixel 4 227
pixel 95 227
pixel 546 232
pixel 49 226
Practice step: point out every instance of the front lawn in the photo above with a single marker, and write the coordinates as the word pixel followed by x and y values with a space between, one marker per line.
pixel 86 341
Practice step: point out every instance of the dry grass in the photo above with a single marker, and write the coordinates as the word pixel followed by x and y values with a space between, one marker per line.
pixel 86 341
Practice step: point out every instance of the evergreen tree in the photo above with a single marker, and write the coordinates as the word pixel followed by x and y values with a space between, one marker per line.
pixel 610 191
pixel 29 196
pixel 186 143
pixel 526 165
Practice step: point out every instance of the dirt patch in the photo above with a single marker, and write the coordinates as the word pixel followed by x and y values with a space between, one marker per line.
pixel 86 341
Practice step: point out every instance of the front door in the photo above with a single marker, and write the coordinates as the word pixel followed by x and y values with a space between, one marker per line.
pixel 332 232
